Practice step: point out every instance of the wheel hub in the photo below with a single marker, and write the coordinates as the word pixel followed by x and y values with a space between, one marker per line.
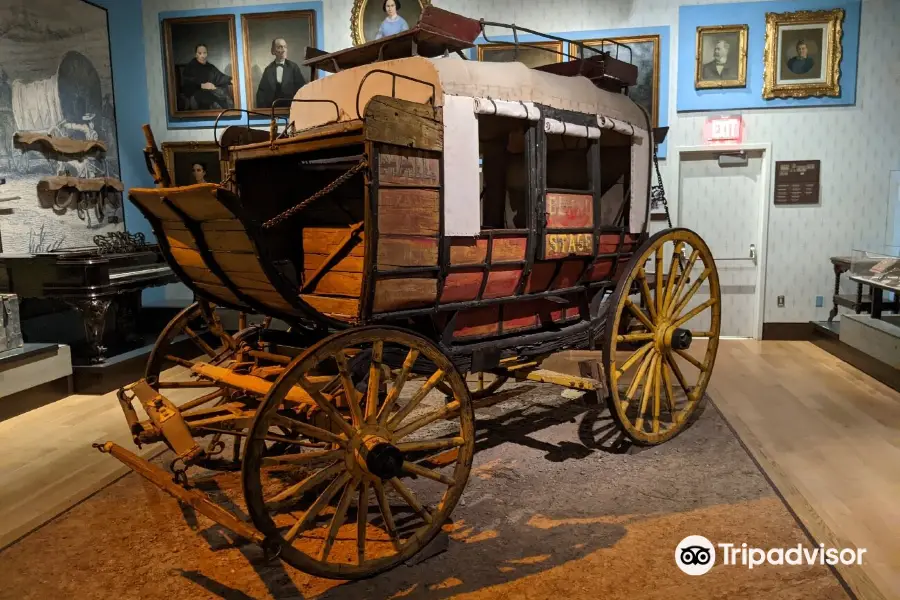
pixel 384 460
pixel 681 339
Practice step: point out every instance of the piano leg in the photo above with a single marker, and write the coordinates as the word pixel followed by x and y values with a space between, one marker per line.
pixel 128 307
pixel 93 312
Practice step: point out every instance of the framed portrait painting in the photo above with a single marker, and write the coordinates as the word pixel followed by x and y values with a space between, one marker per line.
pixel 201 65
pixel 190 163
pixel 645 56
pixel 531 54
pixel 803 54
pixel 721 57
pixel 376 19
pixel 274 46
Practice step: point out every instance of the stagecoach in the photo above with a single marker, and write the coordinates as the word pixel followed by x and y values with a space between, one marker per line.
pixel 427 228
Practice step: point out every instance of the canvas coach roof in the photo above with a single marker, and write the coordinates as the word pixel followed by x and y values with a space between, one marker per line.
pixel 417 78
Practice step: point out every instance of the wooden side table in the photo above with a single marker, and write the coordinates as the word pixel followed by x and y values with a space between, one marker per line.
pixel 856 302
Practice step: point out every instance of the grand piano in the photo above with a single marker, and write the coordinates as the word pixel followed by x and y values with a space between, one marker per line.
pixel 91 279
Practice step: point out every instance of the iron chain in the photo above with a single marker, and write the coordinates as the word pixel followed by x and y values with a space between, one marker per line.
pixel 277 220
pixel 657 193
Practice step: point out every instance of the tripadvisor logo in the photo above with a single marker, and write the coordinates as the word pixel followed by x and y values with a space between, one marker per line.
pixel 696 555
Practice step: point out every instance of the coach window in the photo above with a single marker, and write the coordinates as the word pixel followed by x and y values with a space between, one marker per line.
pixel 504 176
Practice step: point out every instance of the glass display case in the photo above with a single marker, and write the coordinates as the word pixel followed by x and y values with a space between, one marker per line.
pixel 876 268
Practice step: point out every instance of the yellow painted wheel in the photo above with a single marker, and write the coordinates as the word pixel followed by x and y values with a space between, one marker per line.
pixel 658 371
pixel 482 385
pixel 383 471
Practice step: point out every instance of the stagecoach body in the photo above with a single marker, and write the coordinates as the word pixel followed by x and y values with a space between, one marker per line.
pixel 419 220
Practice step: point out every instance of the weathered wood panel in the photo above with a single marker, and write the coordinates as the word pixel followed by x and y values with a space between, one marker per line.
pixel 348 264
pixel 569 273
pixel 508 249
pixel 229 241
pixel 339 308
pixel 502 282
pixel 151 201
pixel 400 294
pixel 249 283
pixel 477 322
pixel 218 291
pixel 609 243
pixel 561 245
pixel 339 284
pixel 407 251
pixel 408 212
pixel 570 210
pixel 467 251
pixel 408 166
pixel 540 277
pixel 403 123
pixel 201 274
pixel 603 269
pixel 462 286
pixel 324 240
pixel 201 205
pixel 238 262
pixel 180 238
pixel 272 299
pixel 188 258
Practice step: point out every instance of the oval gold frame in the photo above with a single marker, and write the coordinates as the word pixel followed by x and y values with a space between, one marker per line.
pixel 356 18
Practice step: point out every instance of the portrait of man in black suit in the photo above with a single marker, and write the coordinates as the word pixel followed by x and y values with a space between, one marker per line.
pixel 274 46
pixel 281 78
pixel 721 56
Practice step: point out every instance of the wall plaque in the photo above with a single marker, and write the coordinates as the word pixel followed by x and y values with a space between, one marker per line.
pixel 797 182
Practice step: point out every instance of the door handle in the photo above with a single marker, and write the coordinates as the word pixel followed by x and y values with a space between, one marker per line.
pixel 753 253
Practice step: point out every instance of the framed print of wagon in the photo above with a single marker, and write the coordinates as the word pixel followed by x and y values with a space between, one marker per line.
pixel 362 224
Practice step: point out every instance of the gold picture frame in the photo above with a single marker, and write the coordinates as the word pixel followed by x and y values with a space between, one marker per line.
pixel 645 51
pixel 531 54
pixel 730 40
pixel 803 54
pixel 361 19
pixel 255 55
pixel 180 38
pixel 181 156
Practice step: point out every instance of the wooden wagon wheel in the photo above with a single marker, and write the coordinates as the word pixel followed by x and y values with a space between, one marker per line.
pixel 658 371
pixel 198 324
pixel 393 466
pixel 484 384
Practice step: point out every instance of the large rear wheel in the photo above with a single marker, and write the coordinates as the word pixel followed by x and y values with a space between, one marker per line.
pixel 658 370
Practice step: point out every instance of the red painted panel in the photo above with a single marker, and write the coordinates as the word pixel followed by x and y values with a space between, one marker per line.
pixel 609 243
pixel 569 274
pixel 508 248
pixel 520 315
pixel 570 210
pixel 477 322
pixel 467 251
pixel 502 282
pixel 541 275
pixel 462 286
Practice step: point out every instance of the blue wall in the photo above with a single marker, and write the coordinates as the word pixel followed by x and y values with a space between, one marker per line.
pixel 238 11
pixel 754 15
pixel 664 54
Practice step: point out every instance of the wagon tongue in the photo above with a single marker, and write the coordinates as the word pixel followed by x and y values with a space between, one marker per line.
pixel 194 498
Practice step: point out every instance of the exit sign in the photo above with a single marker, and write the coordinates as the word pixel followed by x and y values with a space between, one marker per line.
pixel 724 130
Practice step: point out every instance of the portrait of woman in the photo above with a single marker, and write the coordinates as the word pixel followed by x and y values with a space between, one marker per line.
pixel 378 19
pixel 198 170
pixel 192 163
pixel 201 65
pixel 203 85
pixel 393 23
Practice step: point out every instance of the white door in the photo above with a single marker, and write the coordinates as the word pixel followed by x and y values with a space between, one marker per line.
pixel 723 205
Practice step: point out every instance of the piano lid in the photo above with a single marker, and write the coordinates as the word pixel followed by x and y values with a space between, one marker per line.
pixel 438 32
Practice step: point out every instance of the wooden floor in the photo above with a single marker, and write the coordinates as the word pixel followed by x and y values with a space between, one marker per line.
pixel 827 435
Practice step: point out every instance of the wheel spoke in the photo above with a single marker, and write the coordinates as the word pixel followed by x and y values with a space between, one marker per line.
pixel 428 419
pixel 648 390
pixel 298 489
pixel 303 457
pixel 386 513
pixel 420 394
pixel 683 302
pixel 633 359
pixel 374 381
pixel 481 381
pixel 340 514
pixel 645 293
pixel 326 406
pixel 678 374
pixel 659 278
pixel 696 311
pixel 690 359
pixel 670 278
pixel 414 469
pixel 656 393
pixel 639 376
pixel 636 311
pixel 199 342
pixel 410 498
pixel 349 389
pixel 670 396
pixel 685 275
pixel 321 502
pixel 397 386
pixel 362 520
pixel 308 430
pixel 635 337
pixel 426 445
